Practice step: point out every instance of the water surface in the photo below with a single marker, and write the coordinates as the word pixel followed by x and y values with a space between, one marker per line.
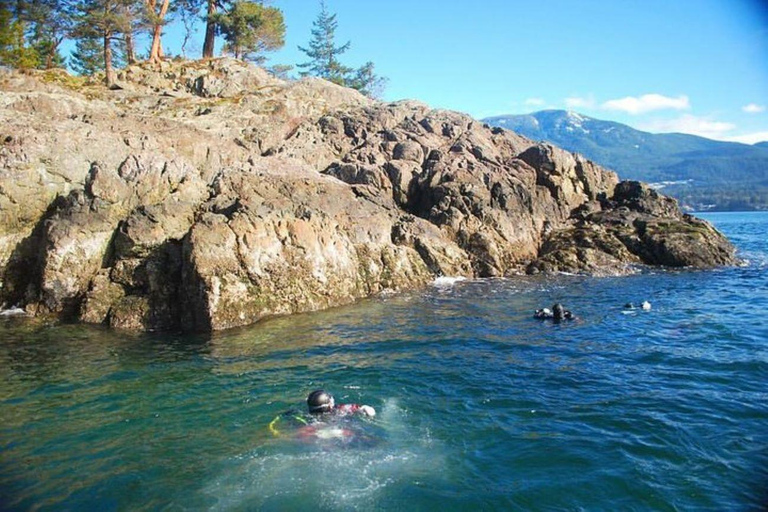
pixel 480 406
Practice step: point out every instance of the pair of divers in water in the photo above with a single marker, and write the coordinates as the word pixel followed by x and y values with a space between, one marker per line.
pixel 557 314
pixel 325 419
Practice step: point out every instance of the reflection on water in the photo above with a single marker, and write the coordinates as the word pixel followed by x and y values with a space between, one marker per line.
pixel 480 406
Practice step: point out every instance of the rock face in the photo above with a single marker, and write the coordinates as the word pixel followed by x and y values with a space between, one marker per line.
pixel 209 195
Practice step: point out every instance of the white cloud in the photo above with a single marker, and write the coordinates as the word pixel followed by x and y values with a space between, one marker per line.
pixel 647 103
pixel 691 124
pixel 753 108
pixel 575 102
pixel 749 138
pixel 535 102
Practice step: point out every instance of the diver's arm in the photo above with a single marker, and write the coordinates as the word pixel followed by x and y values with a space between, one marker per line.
pixel 365 410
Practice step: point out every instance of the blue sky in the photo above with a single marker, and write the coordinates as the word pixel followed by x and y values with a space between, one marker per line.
pixel 694 66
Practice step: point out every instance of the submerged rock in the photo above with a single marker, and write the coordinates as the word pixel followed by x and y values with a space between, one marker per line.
pixel 209 195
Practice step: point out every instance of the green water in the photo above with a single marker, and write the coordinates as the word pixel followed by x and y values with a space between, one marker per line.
pixel 480 406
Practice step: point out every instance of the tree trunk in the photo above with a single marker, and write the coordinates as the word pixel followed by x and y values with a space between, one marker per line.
pixel 108 71
pixel 156 53
pixel 210 31
pixel 51 55
pixel 130 50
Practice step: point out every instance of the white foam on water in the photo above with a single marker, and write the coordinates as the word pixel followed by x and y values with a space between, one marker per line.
pixel 446 281
pixel 13 311
pixel 328 473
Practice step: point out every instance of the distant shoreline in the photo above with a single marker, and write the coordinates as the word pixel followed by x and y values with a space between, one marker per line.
pixel 700 212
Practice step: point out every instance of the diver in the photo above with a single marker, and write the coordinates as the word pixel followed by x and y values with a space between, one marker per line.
pixel 322 407
pixel 321 402
pixel 557 313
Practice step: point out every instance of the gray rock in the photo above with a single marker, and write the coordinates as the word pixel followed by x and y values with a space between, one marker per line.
pixel 130 208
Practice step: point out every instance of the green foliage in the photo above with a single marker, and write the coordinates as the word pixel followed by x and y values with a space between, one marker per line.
pixel 367 82
pixel 280 71
pixel 250 29
pixel 31 33
pixel 104 21
pixel 51 21
pixel 102 18
pixel 88 56
pixel 14 51
pixel 324 58
pixel 323 51
pixel 726 197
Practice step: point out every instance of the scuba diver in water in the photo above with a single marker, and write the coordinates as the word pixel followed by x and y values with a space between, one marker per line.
pixel 321 402
pixel 322 408
pixel 557 313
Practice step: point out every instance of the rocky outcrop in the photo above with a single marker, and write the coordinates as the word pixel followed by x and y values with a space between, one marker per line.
pixel 210 195
pixel 636 225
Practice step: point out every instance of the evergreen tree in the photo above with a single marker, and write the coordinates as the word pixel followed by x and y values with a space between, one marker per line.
pixel 105 21
pixel 250 29
pixel 324 58
pixel 367 82
pixel 50 22
pixel 323 52
pixel 213 7
pixel 133 12
pixel 280 71
pixel 88 56
pixel 14 50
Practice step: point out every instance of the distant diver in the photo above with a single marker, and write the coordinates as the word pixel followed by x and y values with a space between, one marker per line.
pixel 322 410
pixel 646 306
pixel 557 313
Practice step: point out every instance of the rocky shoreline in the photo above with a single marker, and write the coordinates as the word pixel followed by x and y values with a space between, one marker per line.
pixel 208 195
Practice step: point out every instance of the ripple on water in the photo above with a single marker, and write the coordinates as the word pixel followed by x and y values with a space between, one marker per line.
pixel 480 406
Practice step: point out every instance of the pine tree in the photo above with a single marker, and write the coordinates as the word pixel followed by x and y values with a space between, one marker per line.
pixel 323 51
pixel 50 22
pixel 105 21
pixel 133 12
pixel 324 55
pixel 367 82
pixel 88 56
pixel 213 7
pixel 250 29
pixel 14 50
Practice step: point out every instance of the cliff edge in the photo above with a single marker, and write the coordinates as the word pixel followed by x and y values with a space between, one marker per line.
pixel 208 195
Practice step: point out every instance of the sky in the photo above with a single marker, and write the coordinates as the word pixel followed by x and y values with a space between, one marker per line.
pixel 691 66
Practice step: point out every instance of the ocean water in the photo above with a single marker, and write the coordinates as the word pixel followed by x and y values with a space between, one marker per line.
pixel 480 407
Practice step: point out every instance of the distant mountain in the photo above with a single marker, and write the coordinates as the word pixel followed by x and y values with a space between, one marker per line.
pixel 702 173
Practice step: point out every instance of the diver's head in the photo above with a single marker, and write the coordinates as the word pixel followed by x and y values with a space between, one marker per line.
pixel 320 401
pixel 558 311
